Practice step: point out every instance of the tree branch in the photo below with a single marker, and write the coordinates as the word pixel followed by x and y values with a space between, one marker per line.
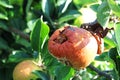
pixel 101 73
pixel 20 33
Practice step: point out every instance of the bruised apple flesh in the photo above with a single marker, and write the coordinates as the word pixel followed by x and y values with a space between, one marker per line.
pixel 74 46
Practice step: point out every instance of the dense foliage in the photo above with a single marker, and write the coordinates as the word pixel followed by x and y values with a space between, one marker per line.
pixel 26 25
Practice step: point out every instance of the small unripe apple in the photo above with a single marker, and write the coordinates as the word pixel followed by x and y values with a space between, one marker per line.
pixel 23 70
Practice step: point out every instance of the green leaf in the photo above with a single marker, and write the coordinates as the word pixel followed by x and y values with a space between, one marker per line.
pixel 103 14
pixel 113 53
pixel 117 34
pixel 39 35
pixel 17 23
pixel 84 2
pixel 94 7
pixel 5 4
pixel 23 42
pixel 69 15
pixel 28 5
pixel 114 74
pixel 3 44
pixel 3 13
pixel 42 75
pixel 17 2
pixel 3 26
pixel 63 6
pixel 64 73
pixel 17 56
pixel 49 61
pixel 110 42
pixel 2 16
pixel 48 7
pixel 102 57
pixel 114 6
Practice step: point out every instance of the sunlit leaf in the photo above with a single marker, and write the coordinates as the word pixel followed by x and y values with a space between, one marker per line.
pixel 114 6
pixel 39 35
pixel 2 16
pixel 4 3
pixel 117 34
pixel 103 14
pixel 110 42
pixel 84 2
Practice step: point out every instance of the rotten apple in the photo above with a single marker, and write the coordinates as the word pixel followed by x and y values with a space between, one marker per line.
pixel 74 46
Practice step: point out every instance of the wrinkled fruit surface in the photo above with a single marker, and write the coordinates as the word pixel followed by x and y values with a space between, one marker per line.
pixel 74 46
pixel 23 71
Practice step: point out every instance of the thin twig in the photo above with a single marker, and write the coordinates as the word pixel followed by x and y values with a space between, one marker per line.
pixel 101 73
pixel 20 33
